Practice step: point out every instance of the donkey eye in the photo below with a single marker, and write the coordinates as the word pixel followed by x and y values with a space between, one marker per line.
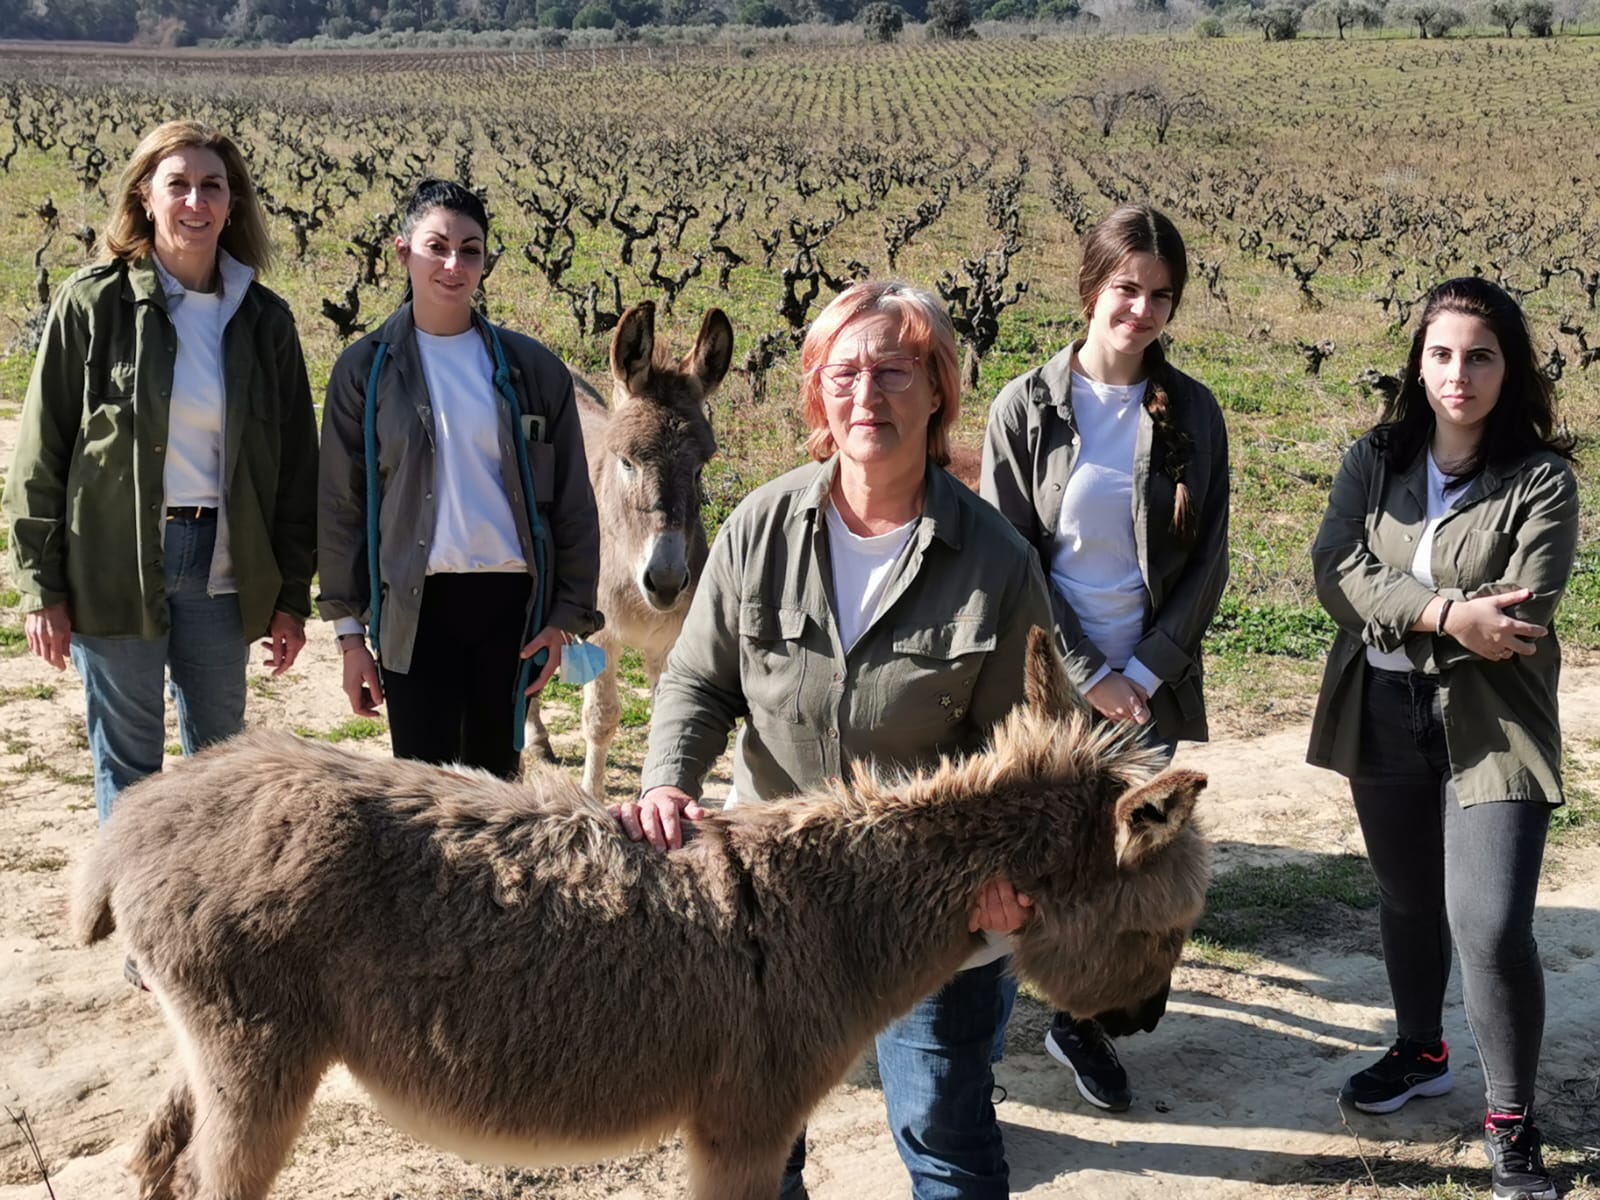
pixel 626 464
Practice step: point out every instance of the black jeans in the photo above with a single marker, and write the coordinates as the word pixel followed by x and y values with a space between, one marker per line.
pixel 1445 871
pixel 455 704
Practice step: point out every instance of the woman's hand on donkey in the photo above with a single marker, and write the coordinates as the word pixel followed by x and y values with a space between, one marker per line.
pixel 1000 908
pixel 658 816
pixel 49 633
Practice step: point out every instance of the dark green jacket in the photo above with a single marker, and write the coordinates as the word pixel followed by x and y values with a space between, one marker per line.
pixel 1519 529
pixel 85 493
pixel 1029 450
pixel 938 666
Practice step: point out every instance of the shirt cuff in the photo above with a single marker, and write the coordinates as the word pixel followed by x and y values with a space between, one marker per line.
pixel 1105 669
pixel 1137 672
pixel 344 625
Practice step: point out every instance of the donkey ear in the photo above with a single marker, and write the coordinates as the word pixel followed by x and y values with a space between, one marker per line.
pixel 1045 685
pixel 633 347
pixel 1150 816
pixel 713 351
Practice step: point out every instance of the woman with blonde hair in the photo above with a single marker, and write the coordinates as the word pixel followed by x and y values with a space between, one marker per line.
pixel 163 495
pixel 866 607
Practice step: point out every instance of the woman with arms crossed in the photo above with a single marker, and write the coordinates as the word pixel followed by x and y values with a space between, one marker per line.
pixel 1114 466
pixel 460 406
pixel 866 607
pixel 162 498
pixel 1445 550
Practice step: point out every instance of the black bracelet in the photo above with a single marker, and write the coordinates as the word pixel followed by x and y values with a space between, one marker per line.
pixel 1444 611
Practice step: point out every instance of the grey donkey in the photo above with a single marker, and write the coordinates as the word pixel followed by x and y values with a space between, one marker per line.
pixel 512 979
pixel 646 453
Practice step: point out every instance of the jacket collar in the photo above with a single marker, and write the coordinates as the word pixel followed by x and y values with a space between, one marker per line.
pixel 941 507
pixel 1056 375
pixel 399 332
pixel 1415 478
pixel 148 280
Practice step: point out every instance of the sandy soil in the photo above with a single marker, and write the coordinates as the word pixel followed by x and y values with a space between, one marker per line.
pixel 1234 1092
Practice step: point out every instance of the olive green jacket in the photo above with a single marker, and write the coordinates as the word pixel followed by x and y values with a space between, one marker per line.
pixel 1514 530
pixel 85 493
pixel 938 666
pixel 1030 447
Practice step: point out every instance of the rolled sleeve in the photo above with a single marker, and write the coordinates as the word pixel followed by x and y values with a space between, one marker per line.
pixel 699 696
pixel 1365 596
pixel 36 489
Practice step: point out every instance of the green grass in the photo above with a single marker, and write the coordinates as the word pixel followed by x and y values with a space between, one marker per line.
pixel 1254 908
pixel 30 691
pixel 351 729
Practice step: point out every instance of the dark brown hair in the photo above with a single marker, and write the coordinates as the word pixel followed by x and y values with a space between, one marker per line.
pixel 1522 420
pixel 1140 229
pixel 130 234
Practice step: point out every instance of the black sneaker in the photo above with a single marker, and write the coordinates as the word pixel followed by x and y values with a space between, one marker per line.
pixel 1515 1163
pixel 1084 1046
pixel 1409 1069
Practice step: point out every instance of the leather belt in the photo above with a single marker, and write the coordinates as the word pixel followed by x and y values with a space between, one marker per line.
pixel 191 512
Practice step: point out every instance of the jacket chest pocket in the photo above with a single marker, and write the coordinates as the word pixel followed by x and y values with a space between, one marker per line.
pixel 1482 557
pixel 772 663
pixel 542 462
pixel 930 677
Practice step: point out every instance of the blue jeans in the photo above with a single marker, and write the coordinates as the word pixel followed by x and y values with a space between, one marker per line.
pixel 938 1085
pixel 205 650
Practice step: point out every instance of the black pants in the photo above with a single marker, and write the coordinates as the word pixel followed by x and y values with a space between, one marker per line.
pixel 455 704
pixel 1471 874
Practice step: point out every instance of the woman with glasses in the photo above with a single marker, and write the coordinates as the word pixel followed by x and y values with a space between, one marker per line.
pixel 1114 466
pixel 865 608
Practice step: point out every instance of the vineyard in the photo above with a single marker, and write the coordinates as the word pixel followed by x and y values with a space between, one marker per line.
pixel 1322 188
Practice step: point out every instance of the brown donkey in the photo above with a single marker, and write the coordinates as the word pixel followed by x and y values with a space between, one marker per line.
pixel 514 980
pixel 646 452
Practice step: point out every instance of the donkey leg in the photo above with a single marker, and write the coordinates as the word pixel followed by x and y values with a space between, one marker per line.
pixel 246 1118
pixel 601 712
pixel 538 738
pixel 165 1137
pixel 732 1164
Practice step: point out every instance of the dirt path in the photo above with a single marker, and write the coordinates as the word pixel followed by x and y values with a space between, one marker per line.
pixel 1234 1091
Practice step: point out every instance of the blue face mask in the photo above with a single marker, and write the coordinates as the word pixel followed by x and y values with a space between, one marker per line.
pixel 582 663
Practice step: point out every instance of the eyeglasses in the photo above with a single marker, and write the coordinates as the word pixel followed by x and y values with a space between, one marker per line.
pixel 891 375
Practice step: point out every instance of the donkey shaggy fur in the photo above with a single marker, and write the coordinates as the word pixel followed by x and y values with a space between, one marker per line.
pixel 512 979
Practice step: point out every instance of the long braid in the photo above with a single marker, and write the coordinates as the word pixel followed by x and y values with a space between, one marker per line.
pixel 1176 443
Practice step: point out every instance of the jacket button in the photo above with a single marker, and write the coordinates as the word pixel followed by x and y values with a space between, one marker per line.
pixel 838 676
pixel 422 544
pixel 413 591
pixel 427 495
pixel 160 449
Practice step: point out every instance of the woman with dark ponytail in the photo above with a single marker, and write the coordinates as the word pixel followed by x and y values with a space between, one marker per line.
pixel 454 513
pixel 1114 466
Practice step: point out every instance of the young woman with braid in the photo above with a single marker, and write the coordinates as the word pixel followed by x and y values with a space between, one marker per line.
pixel 1114 466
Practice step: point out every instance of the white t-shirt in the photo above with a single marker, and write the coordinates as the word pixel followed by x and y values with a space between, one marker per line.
pixel 1439 504
pixel 473 529
pixel 192 475
pixel 1095 565
pixel 862 567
